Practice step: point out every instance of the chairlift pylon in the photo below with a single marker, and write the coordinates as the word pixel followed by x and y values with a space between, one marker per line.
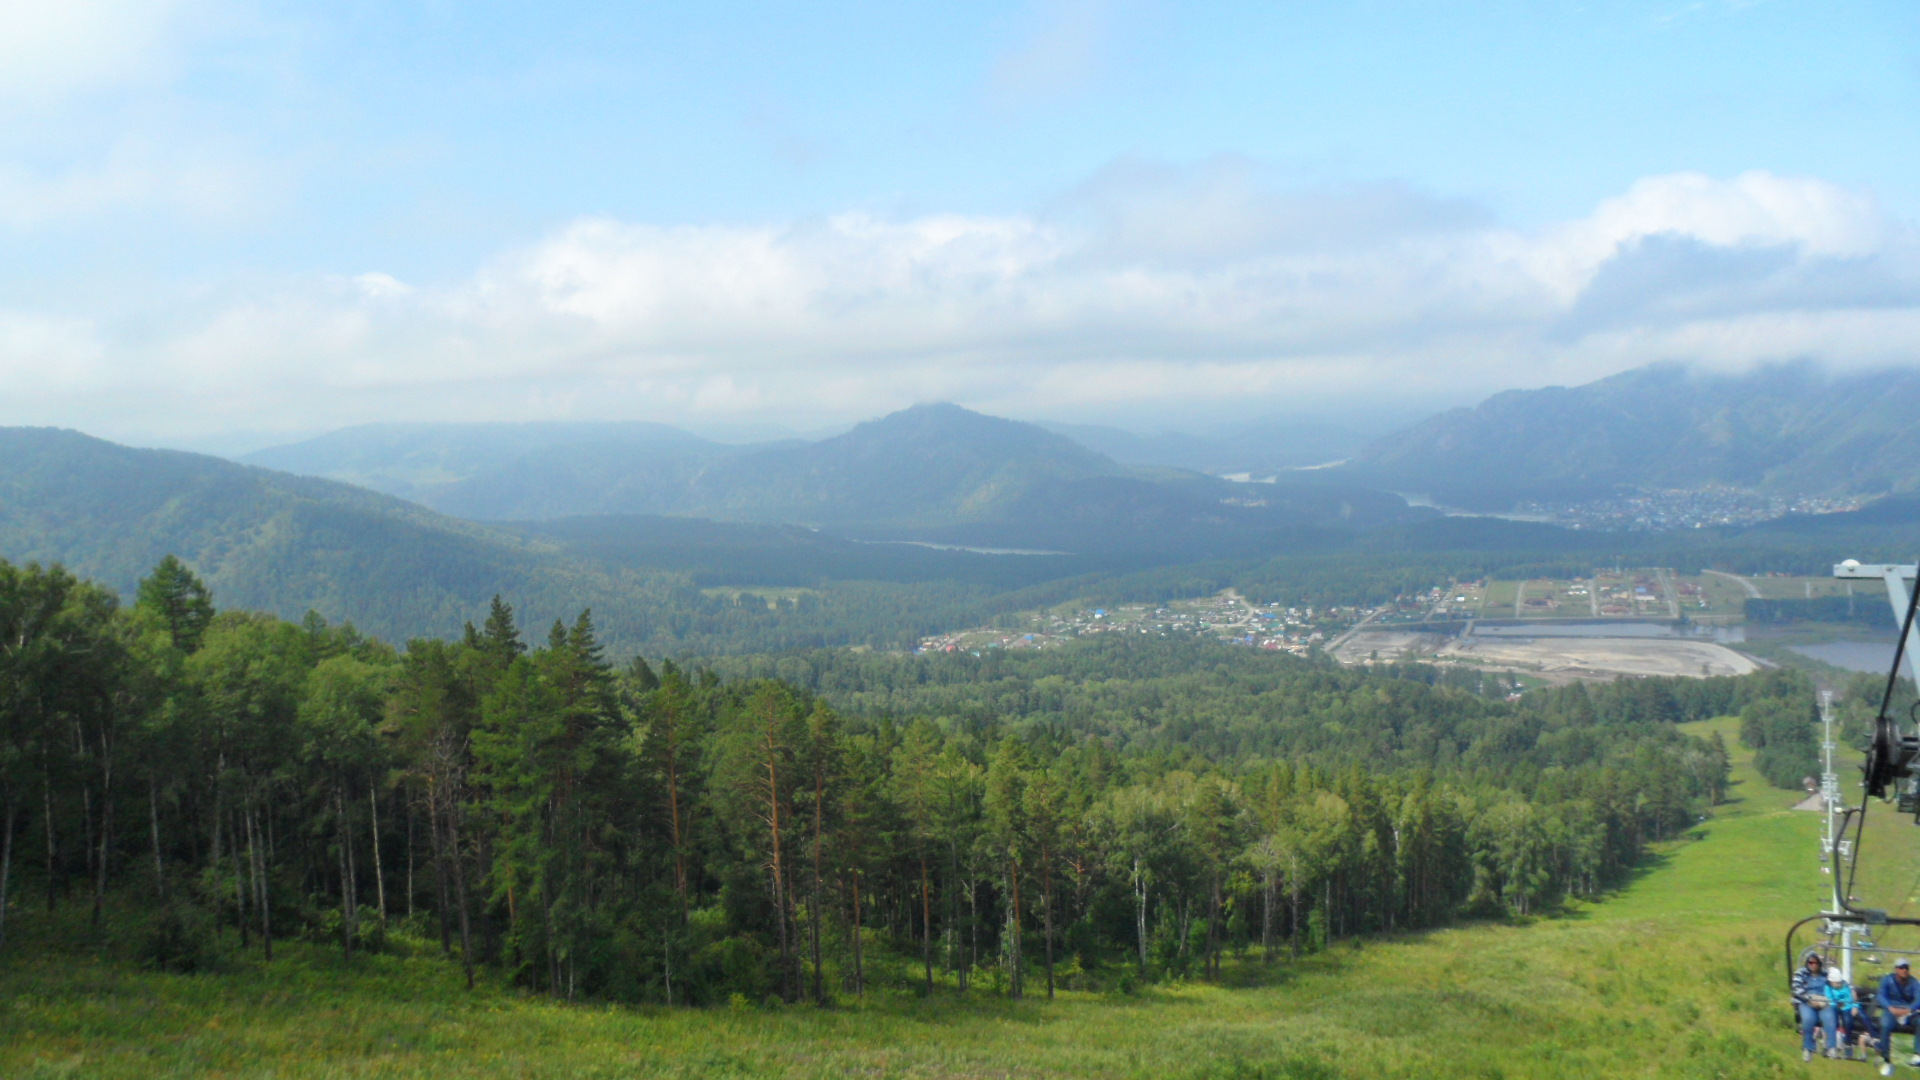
pixel 1888 774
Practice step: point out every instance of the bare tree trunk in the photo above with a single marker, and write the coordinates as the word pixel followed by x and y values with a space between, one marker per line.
pixel 1140 912
pixel 813 902
pixel 859 958
pixel 460 887
pixel 437 833
pixel 213 858
pixel 242 879
pixel 1046 918
pixel 340 834
pixel 106 824
pixel 1013 866
pixel 410 855
pixel 255 842
pixel 973 934
pixel 6 867
pixel 673 811
pixel 379 873
pixel 153 829
pixel 779 871
pixel 1293 885
pixel 1212 965
pixel 926 919
pixel 1266 921
pixel 53 844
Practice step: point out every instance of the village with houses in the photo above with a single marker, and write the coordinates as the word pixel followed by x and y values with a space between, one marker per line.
pixel 1227 615
pixel 1613 622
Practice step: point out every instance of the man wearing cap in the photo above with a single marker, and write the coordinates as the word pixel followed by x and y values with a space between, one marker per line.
pixel 1899 999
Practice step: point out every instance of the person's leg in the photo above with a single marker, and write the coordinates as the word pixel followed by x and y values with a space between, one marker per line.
pixel 1807 1019
pixel 1830 1023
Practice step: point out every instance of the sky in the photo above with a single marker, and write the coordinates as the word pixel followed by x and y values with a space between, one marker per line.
pixel 226 224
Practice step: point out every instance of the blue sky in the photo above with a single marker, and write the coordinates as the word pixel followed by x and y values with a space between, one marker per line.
pixel 224 222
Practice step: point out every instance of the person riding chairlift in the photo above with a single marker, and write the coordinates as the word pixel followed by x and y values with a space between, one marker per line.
pixel 1854 1021
pixel 1899 999
pixel 1810 998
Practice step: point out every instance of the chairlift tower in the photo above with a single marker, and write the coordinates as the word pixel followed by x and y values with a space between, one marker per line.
pixel 1835 849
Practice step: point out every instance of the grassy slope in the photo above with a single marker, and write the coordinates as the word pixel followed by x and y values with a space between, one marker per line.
pixel 1677 976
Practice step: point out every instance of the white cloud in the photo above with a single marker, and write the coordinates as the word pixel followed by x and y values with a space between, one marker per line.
pixel 1148 289
pixel 53 47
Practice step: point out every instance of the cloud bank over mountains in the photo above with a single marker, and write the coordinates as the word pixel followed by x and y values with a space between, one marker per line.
pixel 1147 290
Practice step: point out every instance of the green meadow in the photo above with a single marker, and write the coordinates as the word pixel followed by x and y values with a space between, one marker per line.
pixel 1677 975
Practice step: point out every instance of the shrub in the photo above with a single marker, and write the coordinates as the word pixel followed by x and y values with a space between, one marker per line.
pixel 182 939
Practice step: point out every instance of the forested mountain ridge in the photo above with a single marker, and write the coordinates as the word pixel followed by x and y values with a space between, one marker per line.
pixel 929 462
pixel 1791 429
pixel 288 544
pixel 933 472
pixel 273 541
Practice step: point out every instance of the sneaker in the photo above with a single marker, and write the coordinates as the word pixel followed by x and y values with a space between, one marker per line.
pixel 1914 1061
pixel 1806 1055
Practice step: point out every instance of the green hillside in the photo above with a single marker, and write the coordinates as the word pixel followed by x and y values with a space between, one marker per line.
pixel 1789 429
pixel 286 544
pixel 1677 975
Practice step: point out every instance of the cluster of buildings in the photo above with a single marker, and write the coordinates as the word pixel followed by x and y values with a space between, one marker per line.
pixel 1663 511
pixel 1276 627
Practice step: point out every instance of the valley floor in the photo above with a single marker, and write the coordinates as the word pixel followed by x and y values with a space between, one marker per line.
pixel 1677 976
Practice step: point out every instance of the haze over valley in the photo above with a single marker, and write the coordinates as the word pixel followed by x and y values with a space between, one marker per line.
pixel 1042 538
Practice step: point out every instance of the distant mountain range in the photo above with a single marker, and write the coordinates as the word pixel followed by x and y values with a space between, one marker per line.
pixel 936 473
pixel 1256 449
pixel 896 500
pixel 272 541
pixel 1789 429
pixel 867 525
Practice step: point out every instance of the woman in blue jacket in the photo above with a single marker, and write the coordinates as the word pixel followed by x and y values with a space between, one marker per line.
pixel 1853 1019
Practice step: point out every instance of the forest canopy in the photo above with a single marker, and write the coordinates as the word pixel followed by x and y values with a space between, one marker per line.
pixel 801 826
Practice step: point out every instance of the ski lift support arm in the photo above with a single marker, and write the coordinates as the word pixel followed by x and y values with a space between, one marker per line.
pixel 1899 581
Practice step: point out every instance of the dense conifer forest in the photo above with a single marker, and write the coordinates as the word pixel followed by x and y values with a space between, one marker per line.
pixel 797 827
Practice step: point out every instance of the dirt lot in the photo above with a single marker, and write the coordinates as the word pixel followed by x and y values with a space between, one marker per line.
pixel 1574 658
pixel 1389 645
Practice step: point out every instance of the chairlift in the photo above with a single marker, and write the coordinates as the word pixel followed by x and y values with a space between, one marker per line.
pixel 1888 774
